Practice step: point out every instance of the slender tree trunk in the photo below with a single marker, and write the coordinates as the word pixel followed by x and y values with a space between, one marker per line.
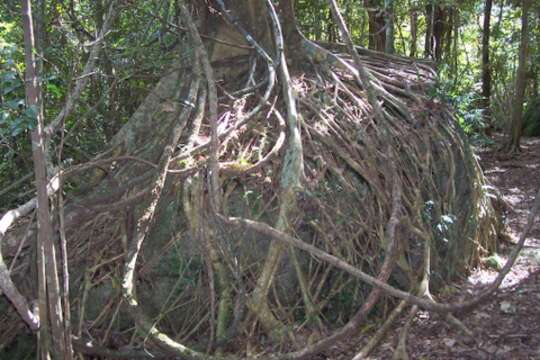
pixel 521 82
pixel 330 30
pixel 449 32
pixel 41 44
pixel 110 109
pixel 430 19
pixel 534 75
pixel 455 40
pixel 390 18
pixel 534 64
pixel 439 30
pixel 32 100
pixel 49 302
pixel 414 31
pixel 486 67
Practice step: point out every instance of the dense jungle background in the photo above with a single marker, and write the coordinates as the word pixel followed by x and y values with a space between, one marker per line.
pixel 260 179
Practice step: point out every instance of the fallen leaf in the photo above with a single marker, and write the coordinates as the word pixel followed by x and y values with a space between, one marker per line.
pixel 449 342
pixel 507 307
pixel 482 315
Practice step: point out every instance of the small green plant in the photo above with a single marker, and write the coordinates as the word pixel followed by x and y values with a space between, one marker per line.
pixel 15 117
pixel 494 261
pixel 463 95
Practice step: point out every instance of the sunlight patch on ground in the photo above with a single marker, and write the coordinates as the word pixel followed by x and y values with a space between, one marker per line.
pixel 496 170
pixel 513 199
pixel 483 277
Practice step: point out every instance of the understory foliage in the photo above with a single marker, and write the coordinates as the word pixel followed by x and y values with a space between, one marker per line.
pixel 219 199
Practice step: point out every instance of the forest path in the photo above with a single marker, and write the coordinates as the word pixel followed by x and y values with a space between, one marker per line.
pixel 509 326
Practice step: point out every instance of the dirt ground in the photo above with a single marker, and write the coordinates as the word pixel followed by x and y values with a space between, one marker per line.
pixel 508 327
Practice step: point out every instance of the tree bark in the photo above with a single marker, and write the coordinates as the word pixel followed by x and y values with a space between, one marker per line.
pixel 414 30
pixel 377 21
pixel 521 82
pixel 390 21
pixel 50 306
pixel 430 16
pixel 435 31
pixel 439 30
pixel 486 66
pixel 449 31
pixel 455 42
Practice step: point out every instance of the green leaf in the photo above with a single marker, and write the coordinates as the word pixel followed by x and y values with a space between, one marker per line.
pixel 10 89
pixel 4 115
pixel 54 90
pixel 8 76
pixel 16 104
pixel 17 127
pixel 31 113
pixel 495 261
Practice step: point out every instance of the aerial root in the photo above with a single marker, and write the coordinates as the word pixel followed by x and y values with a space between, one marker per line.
pixel 351 187
pixel 381 332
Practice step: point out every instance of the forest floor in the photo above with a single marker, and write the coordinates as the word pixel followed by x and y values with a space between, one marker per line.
pixel 507 327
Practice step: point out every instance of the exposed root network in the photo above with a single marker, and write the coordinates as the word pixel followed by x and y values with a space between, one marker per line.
pixel 274 210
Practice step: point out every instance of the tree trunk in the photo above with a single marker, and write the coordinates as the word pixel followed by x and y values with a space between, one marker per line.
pixel 439 31
pixel 449 33
pixel 521 82
pixel 455 42
pixel 486 66
pixel 414 30
pixel 436 26
pixel 430 20
pixel 389 23
pixel 377 21
pixel 50 304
